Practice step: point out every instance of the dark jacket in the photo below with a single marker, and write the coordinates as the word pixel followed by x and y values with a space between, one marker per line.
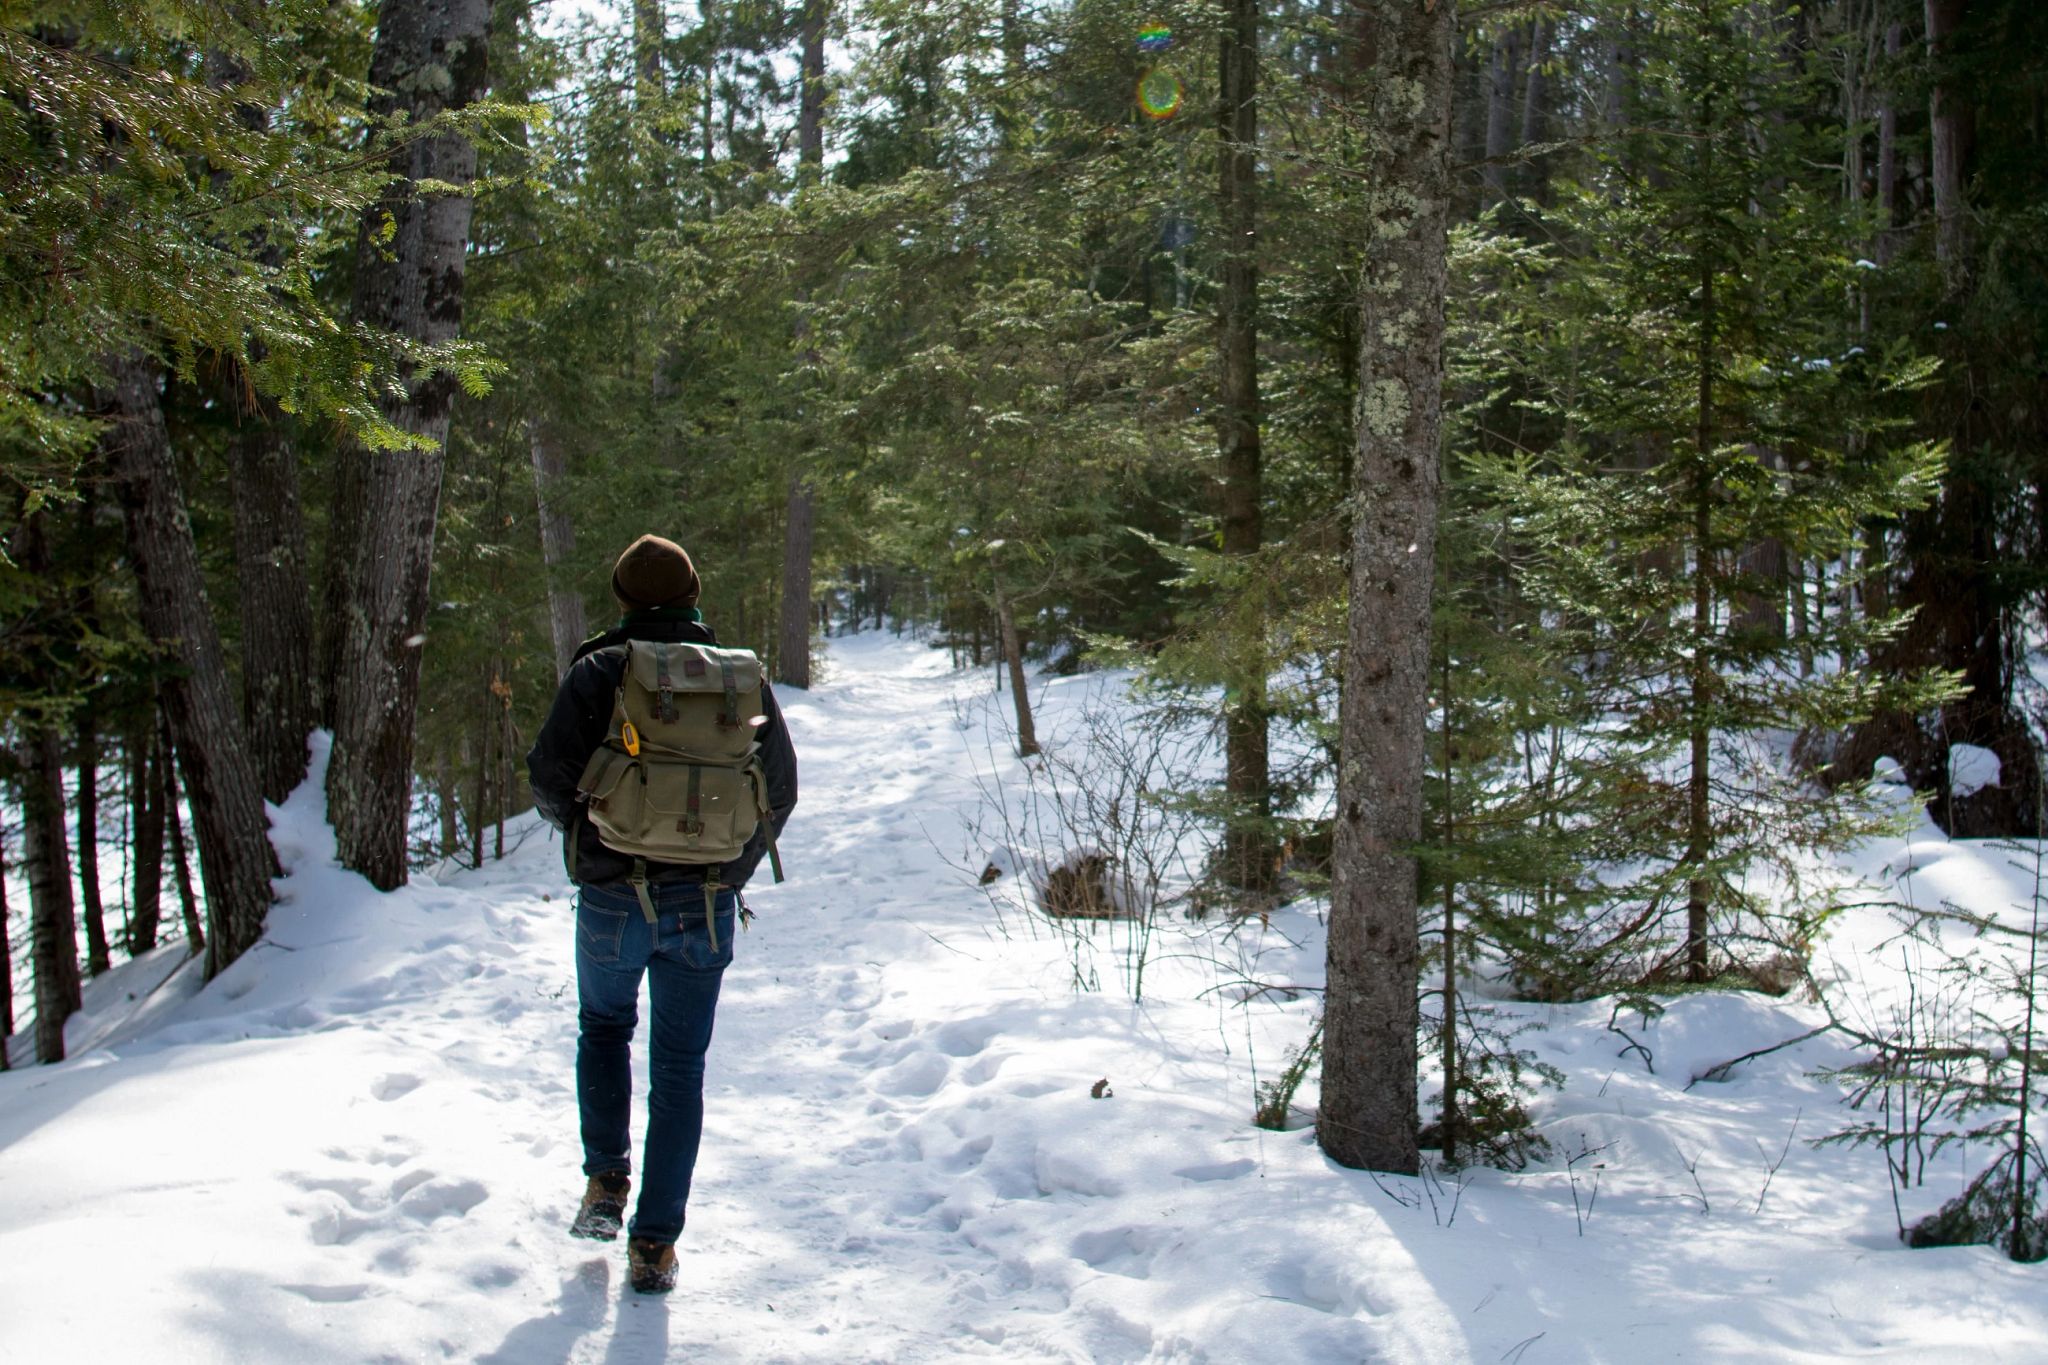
pixel 577 724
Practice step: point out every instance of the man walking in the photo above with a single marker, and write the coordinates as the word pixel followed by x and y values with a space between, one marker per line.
pixel 666 765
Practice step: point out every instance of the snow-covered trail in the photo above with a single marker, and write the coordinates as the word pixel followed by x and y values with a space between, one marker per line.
pixel 360 1143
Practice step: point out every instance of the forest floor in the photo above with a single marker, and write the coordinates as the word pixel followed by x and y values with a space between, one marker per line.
pixel 359 1143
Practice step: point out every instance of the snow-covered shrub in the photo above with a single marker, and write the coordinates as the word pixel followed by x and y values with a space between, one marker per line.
pixel 1952 1065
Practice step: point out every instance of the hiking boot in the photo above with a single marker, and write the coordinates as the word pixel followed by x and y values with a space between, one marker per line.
pixel 653 1265
pixel 604 1208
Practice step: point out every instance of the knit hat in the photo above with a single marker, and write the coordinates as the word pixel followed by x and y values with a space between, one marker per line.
pixel 655 573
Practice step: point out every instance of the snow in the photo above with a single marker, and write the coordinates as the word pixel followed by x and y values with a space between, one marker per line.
pixel 1971 768
pixel 359 1143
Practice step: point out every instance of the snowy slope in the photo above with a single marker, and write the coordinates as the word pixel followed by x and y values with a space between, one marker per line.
pixel 360 1143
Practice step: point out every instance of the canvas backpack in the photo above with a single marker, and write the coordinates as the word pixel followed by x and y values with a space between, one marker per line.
pixel 678 778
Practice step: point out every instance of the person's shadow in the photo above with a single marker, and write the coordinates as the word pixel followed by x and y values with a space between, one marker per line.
pixel 641 1337
pixel 579 1310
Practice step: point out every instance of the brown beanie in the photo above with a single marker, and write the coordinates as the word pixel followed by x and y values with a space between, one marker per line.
pixel 655 573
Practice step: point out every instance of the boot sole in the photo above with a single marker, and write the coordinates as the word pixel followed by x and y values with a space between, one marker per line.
pixel 597 1229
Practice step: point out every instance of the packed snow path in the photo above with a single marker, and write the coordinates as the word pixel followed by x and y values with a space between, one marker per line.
pixel 360 1143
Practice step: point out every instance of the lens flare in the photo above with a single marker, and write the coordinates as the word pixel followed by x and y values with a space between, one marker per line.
pixel 1155 38
pixel 1159 94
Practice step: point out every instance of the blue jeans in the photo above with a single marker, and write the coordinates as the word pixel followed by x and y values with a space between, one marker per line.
pixel 614 945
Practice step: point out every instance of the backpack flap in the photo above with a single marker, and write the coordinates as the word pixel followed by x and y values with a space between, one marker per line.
pixel 692 699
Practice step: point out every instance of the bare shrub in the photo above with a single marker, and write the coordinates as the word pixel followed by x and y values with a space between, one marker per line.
pixel 1086 828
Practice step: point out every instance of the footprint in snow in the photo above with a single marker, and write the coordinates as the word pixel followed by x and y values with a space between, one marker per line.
pixel 438 1199
pixel 916 1075
pixel 1221 1170
pixel 328 1293
pixel 966 1037
pixel 393 1086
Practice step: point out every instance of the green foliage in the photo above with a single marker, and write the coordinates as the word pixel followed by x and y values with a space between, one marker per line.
pixel 182 174
pixel 1698 415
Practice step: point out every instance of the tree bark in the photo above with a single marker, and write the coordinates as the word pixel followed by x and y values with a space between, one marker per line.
pixel 445 802
pixel 430 56
pixel 146 822
pixel 1247 855
pixel 1501 71
pixel 92 910
pixel 85 745
pixel 53 950
pixel 793 639
pixel 1368 1114
pixel 566 622
pixel 276 610
pixel 6 961
pixel 181 862
pixel 270 535
pixel 1888 150
pixel 1535 112
pixel 1013 656
pixel 235 859
pixel 1952 127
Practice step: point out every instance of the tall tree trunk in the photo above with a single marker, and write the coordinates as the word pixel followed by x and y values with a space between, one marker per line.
pixel 235 859
pixel 1013 656
pixel 181 862
pixel 85 735
pixel 482 801
pixel 430 56
pixel 1247 854
pixel 793 642
pixel 91 908
pixel 270 536
pixel 1888 150
pixel 1535 94
pixel 1952 129
pixel 1701 676
pixel 445 802
pixel 1368 1114
pixel 1501 73
pixel 1447 1032
pixel 1760 605
pixel 146 760
pixel 566 621
pixel 275 605
pixel 54 930
pixel 649 32
pixel 6 960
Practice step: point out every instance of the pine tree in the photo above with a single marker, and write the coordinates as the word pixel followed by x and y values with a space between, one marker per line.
pixel 1368 1113
pixel 1690 343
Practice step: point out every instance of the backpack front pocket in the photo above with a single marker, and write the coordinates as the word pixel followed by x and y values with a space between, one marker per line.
pixel 612 787
pixel 704 812
pixel 670 809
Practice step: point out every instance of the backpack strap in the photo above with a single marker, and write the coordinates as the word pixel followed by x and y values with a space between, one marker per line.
pixel 639 881
pixel 711 890
pixel 693 816
pixel 767 815
pixel 729 718
pixel 666 682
